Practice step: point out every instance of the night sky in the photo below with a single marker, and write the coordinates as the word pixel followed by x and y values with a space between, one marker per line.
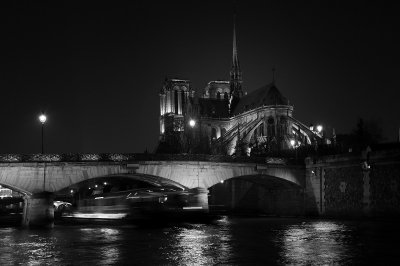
pixel 96 69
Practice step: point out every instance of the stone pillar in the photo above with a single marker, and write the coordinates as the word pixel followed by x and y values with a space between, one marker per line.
pixel 39 210
pixel 168 102
pixel 200 199
pixel 179 102
pixel 162 104
pixel 366 193
pixel 172 101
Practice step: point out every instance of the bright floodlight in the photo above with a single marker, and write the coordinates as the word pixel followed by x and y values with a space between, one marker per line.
pixel 192 123
pixel 319 128
pixel 292 142
pixel 42 118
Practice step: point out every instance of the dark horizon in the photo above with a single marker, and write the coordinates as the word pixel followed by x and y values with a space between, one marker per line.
pixel 96 70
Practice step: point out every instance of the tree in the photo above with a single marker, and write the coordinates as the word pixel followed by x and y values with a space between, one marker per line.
pixel 366 133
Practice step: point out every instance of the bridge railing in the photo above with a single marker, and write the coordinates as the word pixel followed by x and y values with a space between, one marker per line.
pixel 131 157
pixel 67 157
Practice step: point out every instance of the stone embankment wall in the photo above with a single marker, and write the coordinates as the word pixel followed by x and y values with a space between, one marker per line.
pixel 354 185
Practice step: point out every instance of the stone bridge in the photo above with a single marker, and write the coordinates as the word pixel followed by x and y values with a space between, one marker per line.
pixel 347 184
pixel 33 175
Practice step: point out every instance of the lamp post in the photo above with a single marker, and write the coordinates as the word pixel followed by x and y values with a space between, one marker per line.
pixel 192 124
pixel 42 119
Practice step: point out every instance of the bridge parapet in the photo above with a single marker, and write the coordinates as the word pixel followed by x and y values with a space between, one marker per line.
pixel 134 157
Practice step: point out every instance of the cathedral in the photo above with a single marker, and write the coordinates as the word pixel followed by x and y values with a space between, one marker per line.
pixel 225 120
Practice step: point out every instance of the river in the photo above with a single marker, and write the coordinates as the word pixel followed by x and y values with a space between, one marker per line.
pixel 225 241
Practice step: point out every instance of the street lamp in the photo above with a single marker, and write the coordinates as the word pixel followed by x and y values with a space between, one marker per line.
pixel 319 128
pixel 192 124
pixel 42 119
pixel 294 146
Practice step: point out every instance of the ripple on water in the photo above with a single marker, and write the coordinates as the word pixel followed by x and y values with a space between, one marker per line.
pixel 232 241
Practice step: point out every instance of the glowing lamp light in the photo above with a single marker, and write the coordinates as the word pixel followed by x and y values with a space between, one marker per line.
pixel 319 128
pixel 292 142
pixel 42 118
pixel 192 123
pixel 105 183
pixel 222 181
pixel 72 191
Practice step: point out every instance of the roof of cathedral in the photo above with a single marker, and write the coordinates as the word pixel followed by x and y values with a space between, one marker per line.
pixel 213 107
pixel 221 85
pixel 266 95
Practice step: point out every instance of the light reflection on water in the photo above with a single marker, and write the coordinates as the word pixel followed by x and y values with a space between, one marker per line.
pixel 109 253
pixel 229 241
pixel 200 245
pixel 317 242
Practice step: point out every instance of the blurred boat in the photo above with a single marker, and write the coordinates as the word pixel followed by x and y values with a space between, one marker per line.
pixel 156 203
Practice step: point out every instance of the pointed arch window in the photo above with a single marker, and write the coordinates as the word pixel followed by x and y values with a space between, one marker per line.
pixel 213 133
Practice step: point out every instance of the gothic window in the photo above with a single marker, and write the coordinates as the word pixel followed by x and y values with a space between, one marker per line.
pixel 261 129
pixel 213 134
pixel 183 101
pixel 226 96
pixel 283 125
pixel 178 125
pixel 271 127
pixel 218 95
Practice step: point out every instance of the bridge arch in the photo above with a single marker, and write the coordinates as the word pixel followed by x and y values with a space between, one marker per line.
pixel 143 178
pixel 267 181
pixel 257 193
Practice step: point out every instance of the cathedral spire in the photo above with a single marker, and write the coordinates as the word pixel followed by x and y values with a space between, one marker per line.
pixel 235 60
pixel 236 74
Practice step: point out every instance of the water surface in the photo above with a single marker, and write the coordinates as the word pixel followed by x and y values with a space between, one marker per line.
pixel 226 241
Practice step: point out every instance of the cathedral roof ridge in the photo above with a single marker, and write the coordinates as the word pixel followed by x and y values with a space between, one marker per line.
pixel 219 81
pixel 267 95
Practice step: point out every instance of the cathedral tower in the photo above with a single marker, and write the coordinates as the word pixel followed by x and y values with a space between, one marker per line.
pixel 174 99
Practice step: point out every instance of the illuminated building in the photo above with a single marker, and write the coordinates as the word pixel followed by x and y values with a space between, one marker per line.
pixel 228 121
